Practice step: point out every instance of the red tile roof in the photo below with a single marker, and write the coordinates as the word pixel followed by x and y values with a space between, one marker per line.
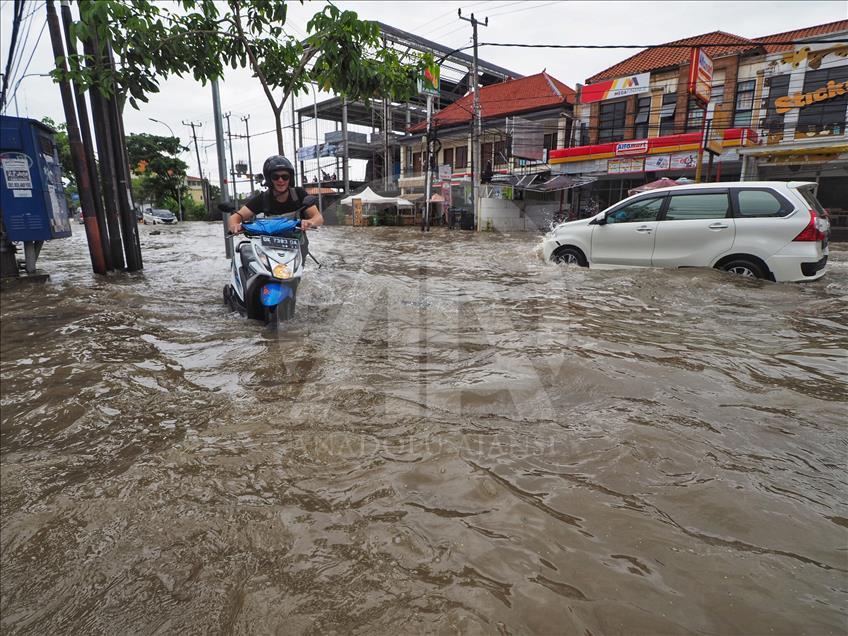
pixel 801 34
pixel 512 97
pixel 667 57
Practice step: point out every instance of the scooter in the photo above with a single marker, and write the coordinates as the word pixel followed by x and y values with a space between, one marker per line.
pixel 265 271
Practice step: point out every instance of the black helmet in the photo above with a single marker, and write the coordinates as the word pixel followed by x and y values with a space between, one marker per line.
pixel 273 164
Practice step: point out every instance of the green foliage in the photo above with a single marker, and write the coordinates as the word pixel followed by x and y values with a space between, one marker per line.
pixel 153 41
pixel 161 175
pixel 192 210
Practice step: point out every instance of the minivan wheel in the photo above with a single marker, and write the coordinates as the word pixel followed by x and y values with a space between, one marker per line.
pixel 742 267
pixel 569 256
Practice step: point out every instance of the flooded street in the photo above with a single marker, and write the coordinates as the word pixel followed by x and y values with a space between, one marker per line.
pixel 451 437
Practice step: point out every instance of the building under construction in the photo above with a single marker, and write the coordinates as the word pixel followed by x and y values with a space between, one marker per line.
pixel 379 124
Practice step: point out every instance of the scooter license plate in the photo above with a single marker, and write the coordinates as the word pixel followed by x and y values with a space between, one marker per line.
pixel 280 243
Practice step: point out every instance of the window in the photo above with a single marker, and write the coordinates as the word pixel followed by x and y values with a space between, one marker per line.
pixel 639 211
pixel 826 116
pixel 643 112
pixel 753 203
pixel 686 207
pixel 611 121
pixel 447 156
pixel 461 156
pixel 669 104
pixel 717 94
pixel 694 116
pixel 744 104
pixel 416 163
pixel 778 87
pixel 550 141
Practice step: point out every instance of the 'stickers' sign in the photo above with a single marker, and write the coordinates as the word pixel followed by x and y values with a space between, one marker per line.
pixel 799 100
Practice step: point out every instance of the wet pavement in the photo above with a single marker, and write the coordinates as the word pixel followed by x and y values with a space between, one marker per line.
pixel 451 437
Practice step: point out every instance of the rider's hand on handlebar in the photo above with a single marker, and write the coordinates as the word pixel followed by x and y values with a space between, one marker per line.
pixel 306 224
pixel 234 224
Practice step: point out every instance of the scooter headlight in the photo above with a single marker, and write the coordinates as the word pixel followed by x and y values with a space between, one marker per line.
pixel 281 270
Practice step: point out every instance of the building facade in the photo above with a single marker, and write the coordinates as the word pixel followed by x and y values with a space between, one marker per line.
pixel 523 120
pixel 638 121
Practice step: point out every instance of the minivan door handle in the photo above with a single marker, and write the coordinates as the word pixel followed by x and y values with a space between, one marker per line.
pixel 644 228
pixel 718 226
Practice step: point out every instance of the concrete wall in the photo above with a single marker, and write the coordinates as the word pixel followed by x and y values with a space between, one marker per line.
pixel 503 215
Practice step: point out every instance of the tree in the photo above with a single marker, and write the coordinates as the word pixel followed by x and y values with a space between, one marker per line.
pixel 162 173
pixel 341 53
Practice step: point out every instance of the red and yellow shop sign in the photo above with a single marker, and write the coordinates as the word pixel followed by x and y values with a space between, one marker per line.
pixel 799 100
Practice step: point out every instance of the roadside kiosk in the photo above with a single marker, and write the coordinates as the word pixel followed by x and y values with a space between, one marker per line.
pixel 32 197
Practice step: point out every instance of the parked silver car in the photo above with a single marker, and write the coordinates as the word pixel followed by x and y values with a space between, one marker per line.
pixel 762 229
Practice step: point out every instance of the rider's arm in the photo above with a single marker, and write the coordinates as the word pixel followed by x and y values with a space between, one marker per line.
pixel 312 218
pixel 243 215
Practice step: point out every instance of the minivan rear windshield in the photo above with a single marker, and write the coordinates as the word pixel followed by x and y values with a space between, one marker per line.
pixel 812 201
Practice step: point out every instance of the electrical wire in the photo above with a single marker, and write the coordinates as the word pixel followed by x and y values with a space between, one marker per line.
pixel 18 10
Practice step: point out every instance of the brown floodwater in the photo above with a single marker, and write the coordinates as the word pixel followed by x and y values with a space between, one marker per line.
pixel 451 437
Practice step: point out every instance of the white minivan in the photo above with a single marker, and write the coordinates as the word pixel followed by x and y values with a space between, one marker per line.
pixel 763 229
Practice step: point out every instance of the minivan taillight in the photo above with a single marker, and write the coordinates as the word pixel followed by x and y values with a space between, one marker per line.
pixel 811 232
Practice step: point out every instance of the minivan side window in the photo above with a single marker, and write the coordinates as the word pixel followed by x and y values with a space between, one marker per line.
pixel 761 203
pixel 687 207
pixel 637 212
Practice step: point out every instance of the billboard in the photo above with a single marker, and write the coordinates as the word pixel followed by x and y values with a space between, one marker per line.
pixel 700 75
pixel 620 87
pixel 428 82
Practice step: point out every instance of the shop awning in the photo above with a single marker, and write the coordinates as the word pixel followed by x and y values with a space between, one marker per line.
pixel 561 182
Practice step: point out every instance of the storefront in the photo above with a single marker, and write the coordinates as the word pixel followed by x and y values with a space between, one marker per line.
pixel 620 166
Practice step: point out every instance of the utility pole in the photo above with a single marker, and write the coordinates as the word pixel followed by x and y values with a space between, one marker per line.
pixel 475 131
pixel 428 178
pixel 249 160
pixel 232 163
pixel 222 164
pixel 199 169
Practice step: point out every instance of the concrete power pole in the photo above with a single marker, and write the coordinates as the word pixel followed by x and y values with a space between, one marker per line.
pixel 222 162
pixel 249 158
pixel 199 168
pixel 232 163
pixel 475 131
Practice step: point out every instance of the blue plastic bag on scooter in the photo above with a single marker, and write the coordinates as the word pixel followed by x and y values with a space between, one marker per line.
pixel 270 227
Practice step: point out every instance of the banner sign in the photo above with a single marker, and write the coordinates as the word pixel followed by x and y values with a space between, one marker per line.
pixel 684 160
pixel 429 83
pixel 700 75
pixel 657 162
pixel 631 148
pixel 621 166
pixel 446 193
pixel 621 87
pixel 445 172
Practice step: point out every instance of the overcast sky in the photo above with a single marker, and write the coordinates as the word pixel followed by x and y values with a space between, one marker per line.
pixel 528 21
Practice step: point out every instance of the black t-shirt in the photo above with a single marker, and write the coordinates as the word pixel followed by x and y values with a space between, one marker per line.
pixel 264 202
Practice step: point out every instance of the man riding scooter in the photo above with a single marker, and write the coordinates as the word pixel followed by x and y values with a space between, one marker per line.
pixel 281 200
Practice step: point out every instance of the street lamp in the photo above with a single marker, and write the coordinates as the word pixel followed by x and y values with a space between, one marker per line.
pixel 179 198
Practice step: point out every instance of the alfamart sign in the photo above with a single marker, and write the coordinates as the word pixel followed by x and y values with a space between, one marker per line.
pixel 799 100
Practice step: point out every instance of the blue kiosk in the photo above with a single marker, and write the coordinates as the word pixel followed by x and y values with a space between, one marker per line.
pixel 32 197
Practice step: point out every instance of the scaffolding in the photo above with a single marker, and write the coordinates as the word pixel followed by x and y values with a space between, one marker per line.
pixel 388 121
